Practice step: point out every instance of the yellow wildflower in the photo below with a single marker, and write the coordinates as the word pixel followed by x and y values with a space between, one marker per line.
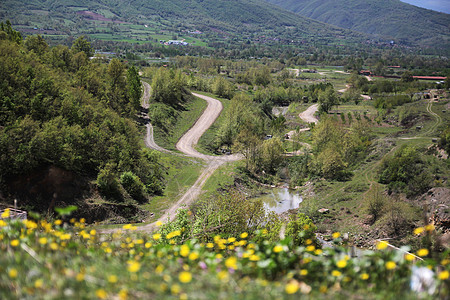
pixel 310 248
pixel 341 264
pixel 303 272
pixel 184 250
pixel 38 283
pixel 15 243
pixel 336 273
pixel 223 275
pixel 364 276
pixel 254 257
pixel 418 230
pixel 112 278
pixel 429 227
pixel 422 252
pixel 336 235
pixel 185 277
pixel 123 294
pixel 318 252
pixel 193 256
pixel 79 277
pixel 2 223
pixel 175 289
pixel 5 213
pixel 43 240
pixel 390 265
pixel 231 262
pixel 210 245
pixel 148 245
pixel 409 257
pixel 159 223
pixel 244 235
pixel 156 236
pixel 12 273
pixel 277 248
pixel 54 246
pixel 444 275
pixel 134 266
pixel 101 294
pixel 292 287
pixel 92 232
pixel 381 245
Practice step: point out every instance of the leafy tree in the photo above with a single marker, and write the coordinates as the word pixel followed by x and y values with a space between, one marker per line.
pixel 133 185
pixel 134 86
pixel 327 99
pixel 222 87
pixel 36 43
pixel 10 33
pixel 81 44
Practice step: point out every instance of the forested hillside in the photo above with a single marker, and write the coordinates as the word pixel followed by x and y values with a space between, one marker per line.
pixel 390 18
pixel 61 112
pixel 219 22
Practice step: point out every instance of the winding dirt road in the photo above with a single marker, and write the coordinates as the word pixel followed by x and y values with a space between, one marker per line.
pixel 187 144
pixel 308 115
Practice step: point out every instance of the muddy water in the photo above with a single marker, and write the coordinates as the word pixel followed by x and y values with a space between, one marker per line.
pixel 280 200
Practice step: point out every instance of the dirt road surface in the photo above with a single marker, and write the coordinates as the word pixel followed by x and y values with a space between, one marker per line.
pixel 308 115
pixel 187 144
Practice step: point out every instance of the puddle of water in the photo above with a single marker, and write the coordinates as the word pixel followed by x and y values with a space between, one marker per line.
pixel 281 200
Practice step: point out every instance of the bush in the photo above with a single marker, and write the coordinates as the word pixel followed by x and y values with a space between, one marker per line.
pixel 133 185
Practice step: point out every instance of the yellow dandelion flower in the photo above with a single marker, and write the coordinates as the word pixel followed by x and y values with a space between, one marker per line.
pixel 65 236
pixel 134 266
pixel 175 289
pixel 223 275
pixel 38 283
pixel 159 223
pixel 231 262
pixel 183 296
pixel 444 275
pixel 381 245
pixel 409 257
pixel 277 248
pixel 306 227
pixel 244 235
pixel 219 256
pixel 318 252
pixel 79 277
pixel 92 232
pixel 185 277
pixel 148 245
pixel 156 236
pixel 308 242
pixel 123 295
pixel 364 276
pixel 2 223
pixel 209 245
pixel 390 265
pixel 254 257
pixel 445 262
pixel 5 213
pixel 264 232
pixel 15 243
pixel 112 278
pixel 159 269
pixel 336 235
pixel 429 227
pixel 418 230
pixel 422 252
pixel 101 294
pixel 292 287
pixel 54 246
pixel 231 240
pixel 58 222
pixel 184 250
pixel 43 240
pixel 303 272
pixel 310 248
pixel 341 264
pixel 336 273
pixel 193 256
pixel 12 273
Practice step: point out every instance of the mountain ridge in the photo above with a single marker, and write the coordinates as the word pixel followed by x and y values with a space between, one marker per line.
pixel 387 18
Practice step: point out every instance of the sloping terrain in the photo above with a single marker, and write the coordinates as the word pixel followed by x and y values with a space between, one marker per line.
pixel 389 18
pixel 234 20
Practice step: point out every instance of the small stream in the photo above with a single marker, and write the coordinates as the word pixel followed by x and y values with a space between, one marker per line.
pixel 280 200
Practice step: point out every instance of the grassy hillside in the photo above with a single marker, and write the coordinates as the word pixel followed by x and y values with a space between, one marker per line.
pixel 221 22
pixel 390 18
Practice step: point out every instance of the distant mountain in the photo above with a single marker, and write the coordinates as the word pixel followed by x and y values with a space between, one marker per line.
pixel 252 21
pixel 388 18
